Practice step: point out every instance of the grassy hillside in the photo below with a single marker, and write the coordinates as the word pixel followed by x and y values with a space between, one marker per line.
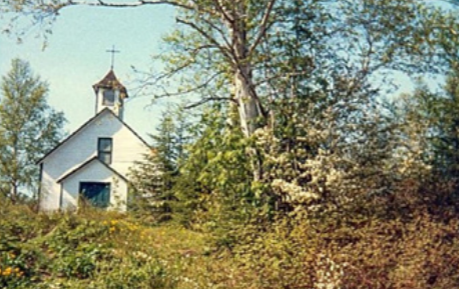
pixel 94 249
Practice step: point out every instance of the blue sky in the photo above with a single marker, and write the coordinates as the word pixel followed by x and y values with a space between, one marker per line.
pixel 76 58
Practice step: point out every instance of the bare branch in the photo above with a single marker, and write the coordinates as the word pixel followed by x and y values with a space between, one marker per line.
pixel 133 4
pixel 206 100
pixel 221 9
pixel 190 90
pixel 207 36
pixel 263 26
pixel 223 35
pixel 174 71
pixel 281 75
pixel 195 50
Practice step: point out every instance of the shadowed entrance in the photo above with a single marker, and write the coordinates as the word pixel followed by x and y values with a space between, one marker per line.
pixel 95 194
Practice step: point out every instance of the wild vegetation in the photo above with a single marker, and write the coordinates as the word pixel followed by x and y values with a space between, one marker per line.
pixel 401 243
pixel 300 169
pixel 29 127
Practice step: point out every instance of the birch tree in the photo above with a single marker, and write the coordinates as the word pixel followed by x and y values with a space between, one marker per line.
pixel 230 30
pixel 251 52
pixel 234 29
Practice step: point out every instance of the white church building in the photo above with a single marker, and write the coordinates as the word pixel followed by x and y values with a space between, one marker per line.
pixel 93 163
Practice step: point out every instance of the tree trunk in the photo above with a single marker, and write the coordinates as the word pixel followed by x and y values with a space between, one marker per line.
pixel 249 114
pixel 14 192
pixel 249 107
pixel 14 181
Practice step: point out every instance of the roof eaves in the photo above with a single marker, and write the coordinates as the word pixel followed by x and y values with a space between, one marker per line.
pixel 72 135
pixel 95 158
pixel 110 81
pixel 131 129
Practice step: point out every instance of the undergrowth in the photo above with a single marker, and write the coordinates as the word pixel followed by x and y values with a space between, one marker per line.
pixel 95 249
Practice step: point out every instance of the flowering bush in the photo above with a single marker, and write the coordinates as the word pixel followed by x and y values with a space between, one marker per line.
pixel 382 243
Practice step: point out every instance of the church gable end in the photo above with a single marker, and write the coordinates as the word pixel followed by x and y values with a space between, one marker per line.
pixel 101 151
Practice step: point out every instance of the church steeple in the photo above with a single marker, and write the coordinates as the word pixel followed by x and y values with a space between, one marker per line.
pixel 110 93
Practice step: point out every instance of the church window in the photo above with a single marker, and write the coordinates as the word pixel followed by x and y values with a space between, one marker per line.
pixel 105 148
pixel 109 98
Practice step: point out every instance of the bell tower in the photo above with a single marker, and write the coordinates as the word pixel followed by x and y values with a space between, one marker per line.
pixel 110 93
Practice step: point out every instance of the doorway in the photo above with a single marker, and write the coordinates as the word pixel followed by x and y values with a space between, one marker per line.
pixel 95 194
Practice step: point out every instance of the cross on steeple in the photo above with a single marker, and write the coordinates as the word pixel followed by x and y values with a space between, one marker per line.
pixel 113 51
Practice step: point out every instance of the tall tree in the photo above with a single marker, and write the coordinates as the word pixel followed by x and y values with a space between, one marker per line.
pixel 252 53
pixel 235 34
pixel 438 113
pixel 233 29
pixel 171 137
pixel 29 127
pixel 154 177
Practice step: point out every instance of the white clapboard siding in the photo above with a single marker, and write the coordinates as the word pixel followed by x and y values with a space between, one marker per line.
pixel 94 171
pixel 128 148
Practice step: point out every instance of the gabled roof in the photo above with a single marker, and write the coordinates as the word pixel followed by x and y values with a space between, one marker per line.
pixel 83 165
pixel 87 124
pixel 110 81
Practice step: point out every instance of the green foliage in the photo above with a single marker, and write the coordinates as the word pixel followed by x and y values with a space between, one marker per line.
pixel 149 195
pixel 154 177
pixel 29 127
pixel 404 242
pixel 430 120
pixel 90 250
pixel 333 189
pixel 354 252
pixel 171 138
pixel 215 180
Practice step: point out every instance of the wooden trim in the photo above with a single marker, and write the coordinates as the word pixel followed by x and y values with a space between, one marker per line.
pixel 88 162
pixel 61 197
pixel 40 178
pixel 85 125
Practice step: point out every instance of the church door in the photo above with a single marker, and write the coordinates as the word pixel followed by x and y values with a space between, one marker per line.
pixel 96 194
